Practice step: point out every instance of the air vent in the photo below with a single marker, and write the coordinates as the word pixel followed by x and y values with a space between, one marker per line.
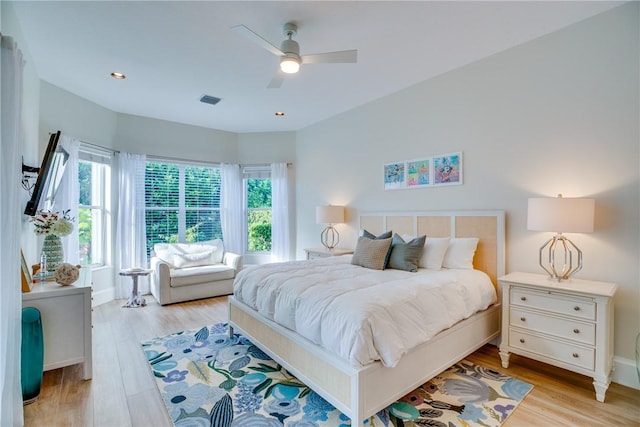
pixel 207 99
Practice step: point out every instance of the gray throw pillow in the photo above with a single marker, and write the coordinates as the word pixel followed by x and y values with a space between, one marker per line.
pixel 371 253
pixel 368 235
pixel 405 255
pixel 385 235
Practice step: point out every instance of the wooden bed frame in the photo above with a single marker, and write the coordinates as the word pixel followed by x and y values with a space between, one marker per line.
pixel 360 392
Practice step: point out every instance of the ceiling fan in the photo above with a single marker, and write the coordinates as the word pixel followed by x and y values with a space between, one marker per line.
pixel 289 52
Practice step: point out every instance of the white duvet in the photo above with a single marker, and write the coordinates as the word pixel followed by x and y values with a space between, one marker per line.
pixel 363 315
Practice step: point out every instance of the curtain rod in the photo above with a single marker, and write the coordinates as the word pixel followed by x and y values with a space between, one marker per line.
pixel 251 165
pixel 176 159
pixel 98 146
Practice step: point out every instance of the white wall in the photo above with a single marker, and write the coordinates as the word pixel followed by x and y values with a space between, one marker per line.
pixel 75 116
pixel 555 115
pixel 266 147
pixel 143 135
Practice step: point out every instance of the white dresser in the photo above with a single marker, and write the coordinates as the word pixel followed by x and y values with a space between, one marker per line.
pixel 66 322
pixel 567 324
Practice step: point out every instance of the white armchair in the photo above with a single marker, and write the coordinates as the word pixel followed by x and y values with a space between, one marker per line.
pixel 189 271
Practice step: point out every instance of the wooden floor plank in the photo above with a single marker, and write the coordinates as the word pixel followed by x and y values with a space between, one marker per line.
pixel 147 409
pixel 136 377
pixel 109 398
pixel 123 392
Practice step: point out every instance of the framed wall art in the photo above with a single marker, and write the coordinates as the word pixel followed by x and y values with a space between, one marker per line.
pixel 27 281
pixel 447 169
pixel 443 169
pixel 394 176
pixel 418 173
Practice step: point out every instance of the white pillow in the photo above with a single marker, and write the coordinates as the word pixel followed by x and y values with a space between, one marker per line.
pixel 167 251
pixel 193 259
pixel 218 249
pixel 433 253
pixel 164 251
pixel 460 253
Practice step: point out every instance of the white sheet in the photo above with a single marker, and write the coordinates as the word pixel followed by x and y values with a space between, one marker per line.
pixel 360 314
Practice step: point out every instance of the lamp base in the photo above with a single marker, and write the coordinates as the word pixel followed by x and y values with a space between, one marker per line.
pixel 330 237
pixel 556 243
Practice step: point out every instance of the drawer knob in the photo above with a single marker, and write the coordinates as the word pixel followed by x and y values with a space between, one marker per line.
pixel 522 319
pixel 576 355
pixel 522 340
pixel 576 308
pixel 576 331
pixel 523 298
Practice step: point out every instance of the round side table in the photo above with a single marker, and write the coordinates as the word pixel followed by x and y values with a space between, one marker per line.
pixel 135 300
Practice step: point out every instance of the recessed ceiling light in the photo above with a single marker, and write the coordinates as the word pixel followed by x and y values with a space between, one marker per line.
pixel 279 114
pixel 118 76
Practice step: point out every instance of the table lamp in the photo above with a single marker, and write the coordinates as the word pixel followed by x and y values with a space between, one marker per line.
pixel 561 215
pixel 329 215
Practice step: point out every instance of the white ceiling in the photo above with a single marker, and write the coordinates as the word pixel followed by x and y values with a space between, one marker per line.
pixel 173 52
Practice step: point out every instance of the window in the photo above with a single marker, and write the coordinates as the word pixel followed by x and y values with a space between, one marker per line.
pixel 182 203
pixel 257 185
pixel 94 178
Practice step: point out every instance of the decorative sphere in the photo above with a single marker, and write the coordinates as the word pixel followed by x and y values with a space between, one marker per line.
pixel 66 274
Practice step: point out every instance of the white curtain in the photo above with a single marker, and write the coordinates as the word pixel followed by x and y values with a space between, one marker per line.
pixel 131 235
pixel 231 211
pixel 11 67
pixel 279 212
pixel 68 196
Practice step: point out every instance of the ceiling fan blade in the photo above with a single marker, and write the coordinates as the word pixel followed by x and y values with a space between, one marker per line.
pixel 256 38
pixel 345 56
pixel 277 80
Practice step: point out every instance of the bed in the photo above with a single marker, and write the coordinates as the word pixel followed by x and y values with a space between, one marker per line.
pixel 359 391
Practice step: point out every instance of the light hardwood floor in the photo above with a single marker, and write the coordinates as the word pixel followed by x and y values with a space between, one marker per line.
pixel 123 393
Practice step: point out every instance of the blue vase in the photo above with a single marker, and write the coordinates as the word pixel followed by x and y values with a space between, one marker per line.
pixel 32 354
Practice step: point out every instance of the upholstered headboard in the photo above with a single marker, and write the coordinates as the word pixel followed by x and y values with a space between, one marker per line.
pixel 488 226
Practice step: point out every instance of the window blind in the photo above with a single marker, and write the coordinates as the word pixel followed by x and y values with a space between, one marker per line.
pixel 182 202
pixel 256 172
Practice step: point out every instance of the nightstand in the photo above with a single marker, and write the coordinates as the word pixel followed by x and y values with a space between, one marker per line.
pixel 324 252
pixel 567 324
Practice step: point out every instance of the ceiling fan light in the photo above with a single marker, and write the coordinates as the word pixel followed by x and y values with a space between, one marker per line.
pixel 290 64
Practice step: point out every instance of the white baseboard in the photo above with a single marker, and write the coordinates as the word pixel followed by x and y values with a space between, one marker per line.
pixel 104 296
pixel 625 372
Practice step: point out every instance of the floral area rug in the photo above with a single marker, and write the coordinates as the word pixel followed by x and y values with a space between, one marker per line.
pixel 207 378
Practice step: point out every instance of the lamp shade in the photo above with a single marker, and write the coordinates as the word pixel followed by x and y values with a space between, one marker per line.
pixel 289 64
pixel 329 214
pixel 561 215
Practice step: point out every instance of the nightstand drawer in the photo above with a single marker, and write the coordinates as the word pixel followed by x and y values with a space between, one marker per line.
pixel 574 306
pixel 564 328
pixel 563 352
pixel 313 255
